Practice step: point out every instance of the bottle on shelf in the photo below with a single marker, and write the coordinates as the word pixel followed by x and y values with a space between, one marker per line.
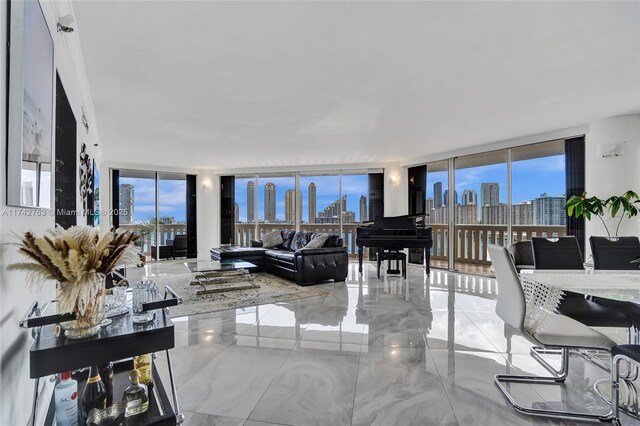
pixel 66 398
pixel 94 394
pixel 142 363
pixel 106 373
pixel 135 399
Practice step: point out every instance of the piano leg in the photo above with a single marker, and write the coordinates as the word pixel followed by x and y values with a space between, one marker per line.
pixel 360 250
pixel 427 258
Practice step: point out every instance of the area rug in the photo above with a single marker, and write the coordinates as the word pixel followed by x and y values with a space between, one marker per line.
pixel 272 289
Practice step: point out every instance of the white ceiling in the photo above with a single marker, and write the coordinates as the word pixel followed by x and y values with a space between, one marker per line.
pixel 262 84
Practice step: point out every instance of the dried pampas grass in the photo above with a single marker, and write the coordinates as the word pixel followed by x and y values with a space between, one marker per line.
pixel 76 254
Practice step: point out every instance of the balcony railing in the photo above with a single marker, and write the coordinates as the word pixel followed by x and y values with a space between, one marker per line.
pixel 472 240
pixel 165 232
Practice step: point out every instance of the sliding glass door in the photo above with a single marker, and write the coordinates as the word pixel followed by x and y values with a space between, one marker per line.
pixel 332 203
pixel 480 208
pixel 154 205
pixel 495 197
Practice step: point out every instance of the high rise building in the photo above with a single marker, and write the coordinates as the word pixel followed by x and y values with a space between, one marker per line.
pixel 430 210
pixel 236 208
pixel 466 214
pixel 522 214
pixel 292 204
pixel 126 194
pixel 446 197
pixel 251 201
pixel 469 197
pixel 364 213
pixel 269 202
pixel 312 203
pixel 332 213
pixel 494 215
pixel 489 194
pixel 549 210
pixel 437 194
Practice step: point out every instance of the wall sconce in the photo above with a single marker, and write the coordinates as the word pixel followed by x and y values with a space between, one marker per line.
pixel 394 179
pixel 206 183
pixel 606 150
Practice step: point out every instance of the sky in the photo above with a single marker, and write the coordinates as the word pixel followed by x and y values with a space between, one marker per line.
pixel 530 179
pixel 172 195
pixel 327 191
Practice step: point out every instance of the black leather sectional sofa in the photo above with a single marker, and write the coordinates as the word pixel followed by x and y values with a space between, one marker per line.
pixel 292 260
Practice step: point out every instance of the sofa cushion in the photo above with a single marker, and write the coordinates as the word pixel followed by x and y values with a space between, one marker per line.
pixel 287 236
pixel 300 239
pixel 317 241
pixel 280 254
pixel 332 241
pixel 272 239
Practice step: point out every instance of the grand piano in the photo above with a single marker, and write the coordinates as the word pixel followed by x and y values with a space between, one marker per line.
pixel 395 233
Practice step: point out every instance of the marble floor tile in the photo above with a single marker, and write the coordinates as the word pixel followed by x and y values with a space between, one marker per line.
pixel 399 386
pixel 341 326
pixel 313 387
pixel 391 351
pixel 233 384
pixel 200 419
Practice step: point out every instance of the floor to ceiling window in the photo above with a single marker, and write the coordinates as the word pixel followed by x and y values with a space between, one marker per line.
pixel 319 202
pixel 277 203
pixel 538 190
pixel 480 207
pixel 154 206
pixel 493 207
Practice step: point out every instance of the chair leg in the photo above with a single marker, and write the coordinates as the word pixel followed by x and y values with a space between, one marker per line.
pixel 537 352
pixel 615 389
pixel 501 379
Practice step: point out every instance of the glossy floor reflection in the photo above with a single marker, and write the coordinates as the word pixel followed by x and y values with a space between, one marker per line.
pixel 383 351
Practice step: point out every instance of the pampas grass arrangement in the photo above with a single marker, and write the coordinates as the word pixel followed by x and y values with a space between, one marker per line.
pixel 77 258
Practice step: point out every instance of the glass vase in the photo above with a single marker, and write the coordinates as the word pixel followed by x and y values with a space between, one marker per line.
pixel 86 300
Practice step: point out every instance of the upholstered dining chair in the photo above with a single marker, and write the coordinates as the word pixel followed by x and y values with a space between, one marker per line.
pixel 553 331
pixel 522 254
pixel 564 253
pixel 556 253
pixel 615 253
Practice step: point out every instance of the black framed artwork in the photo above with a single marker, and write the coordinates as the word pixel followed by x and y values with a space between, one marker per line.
pixel 31 92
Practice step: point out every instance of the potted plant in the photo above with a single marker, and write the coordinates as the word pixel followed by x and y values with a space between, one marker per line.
pixel 583 206
pixel 78 259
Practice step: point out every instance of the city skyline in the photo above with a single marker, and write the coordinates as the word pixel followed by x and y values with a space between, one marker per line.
pixel 326 190
pixel 172 199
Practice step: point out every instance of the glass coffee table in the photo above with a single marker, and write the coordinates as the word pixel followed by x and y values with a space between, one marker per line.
pixel 219 265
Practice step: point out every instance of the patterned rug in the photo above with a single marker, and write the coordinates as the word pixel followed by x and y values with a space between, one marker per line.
pixel 272 289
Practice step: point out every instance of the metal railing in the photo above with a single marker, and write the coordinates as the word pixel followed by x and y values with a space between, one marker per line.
pixel 165 232
pixel 471 241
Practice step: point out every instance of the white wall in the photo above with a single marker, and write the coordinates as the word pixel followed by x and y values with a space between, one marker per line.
pixel 613 175
pixel 208 212
pixel 15 296
pixel 395 189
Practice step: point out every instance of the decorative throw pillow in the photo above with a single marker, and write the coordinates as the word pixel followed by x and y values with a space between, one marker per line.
pixel 272 239
pixel 317 241
pixel 332 241
pixel 287 237
pixel 298 241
